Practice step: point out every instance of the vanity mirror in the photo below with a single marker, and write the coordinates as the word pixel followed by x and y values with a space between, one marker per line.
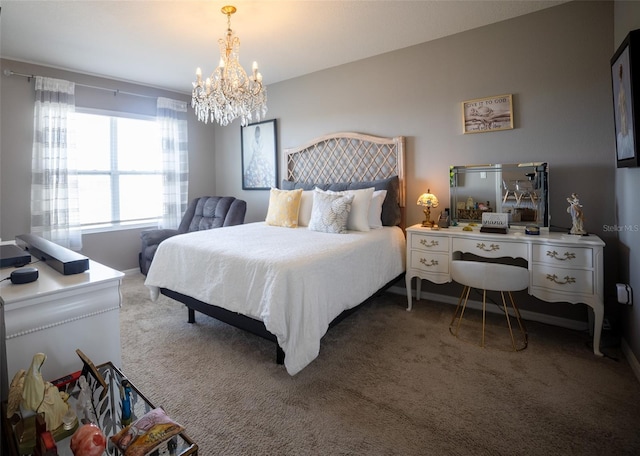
pixel 520 190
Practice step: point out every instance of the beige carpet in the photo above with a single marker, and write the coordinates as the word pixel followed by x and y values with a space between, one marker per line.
pixel 387 382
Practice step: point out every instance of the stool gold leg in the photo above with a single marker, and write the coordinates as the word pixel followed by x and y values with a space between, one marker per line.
pixel 525 335
pixel 455 314
pixel 506 314
pixel 464 297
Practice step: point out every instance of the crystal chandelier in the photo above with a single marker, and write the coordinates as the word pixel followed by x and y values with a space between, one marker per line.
pixel 229 93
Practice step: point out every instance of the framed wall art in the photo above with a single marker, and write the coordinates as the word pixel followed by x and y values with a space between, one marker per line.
pixel 487 114
pixel 259 156
pixel 625 80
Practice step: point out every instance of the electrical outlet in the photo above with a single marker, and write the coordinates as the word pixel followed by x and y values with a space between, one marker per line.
pixel 625 293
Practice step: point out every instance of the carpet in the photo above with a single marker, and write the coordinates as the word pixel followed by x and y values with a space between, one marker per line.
pixel 386 382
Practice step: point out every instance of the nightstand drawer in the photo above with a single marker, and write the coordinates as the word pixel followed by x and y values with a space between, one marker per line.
pixel 430 262
pixel 430 243
pixel 490 248
pixel 562 279
pixel 563 256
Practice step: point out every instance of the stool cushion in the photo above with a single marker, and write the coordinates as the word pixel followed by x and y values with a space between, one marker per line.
pixel 489 276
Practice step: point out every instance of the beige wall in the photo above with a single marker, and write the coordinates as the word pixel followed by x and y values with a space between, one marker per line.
pixel 555 63
pixel 627 18
pixel 115 249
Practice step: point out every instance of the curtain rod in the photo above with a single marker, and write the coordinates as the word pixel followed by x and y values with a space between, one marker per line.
pixel 115 91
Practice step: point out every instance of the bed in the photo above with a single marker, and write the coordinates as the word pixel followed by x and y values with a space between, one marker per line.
pixel 290 284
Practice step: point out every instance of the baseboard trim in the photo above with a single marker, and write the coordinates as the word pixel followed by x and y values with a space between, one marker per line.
pixel 130 272
pixel 631 358
pixel 568 323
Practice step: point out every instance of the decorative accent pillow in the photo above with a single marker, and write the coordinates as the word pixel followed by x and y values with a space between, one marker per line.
pixel 330 212
pixel 375 209
pixel 306 204
pixel 284 206
pixel 358 219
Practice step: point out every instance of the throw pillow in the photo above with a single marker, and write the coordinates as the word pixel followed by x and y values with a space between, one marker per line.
pixel 330 212
pixel 359 216
pixel 375 209
pixel 306 204
pixel 284 206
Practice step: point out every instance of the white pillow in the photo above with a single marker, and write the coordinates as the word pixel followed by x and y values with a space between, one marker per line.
pixel 375 209
pixel 330 212
pixel 359 215
pixel 306 204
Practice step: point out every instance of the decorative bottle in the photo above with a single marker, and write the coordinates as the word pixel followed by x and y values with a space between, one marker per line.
pixel 126 403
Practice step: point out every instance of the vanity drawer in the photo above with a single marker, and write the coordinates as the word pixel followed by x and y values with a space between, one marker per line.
pixel 563 279
pixel 567 256
pixel 421 241
pixel 430 261
pixel 490 248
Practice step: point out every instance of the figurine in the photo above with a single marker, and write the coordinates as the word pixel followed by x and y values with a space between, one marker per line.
pixel 88 440
pixel 577 216
pixel 15 393
pixel 42 397
pixel 84 404
pixel 126 402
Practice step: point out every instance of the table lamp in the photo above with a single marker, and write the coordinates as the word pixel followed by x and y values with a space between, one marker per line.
pixel 427 200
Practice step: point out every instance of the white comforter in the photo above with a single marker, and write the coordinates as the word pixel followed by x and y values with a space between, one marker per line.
pixel 293 279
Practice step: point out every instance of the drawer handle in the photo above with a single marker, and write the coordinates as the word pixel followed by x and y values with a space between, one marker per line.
pixel 428 263
pixel 431 243
pixel 567 255
pixel 492 247
pixel 554 278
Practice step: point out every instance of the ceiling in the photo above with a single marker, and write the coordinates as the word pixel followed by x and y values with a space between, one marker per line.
pixel 160 43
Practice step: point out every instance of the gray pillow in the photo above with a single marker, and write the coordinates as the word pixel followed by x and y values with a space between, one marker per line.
pixel 391 215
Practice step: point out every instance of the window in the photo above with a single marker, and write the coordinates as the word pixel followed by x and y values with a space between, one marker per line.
pixel 119 163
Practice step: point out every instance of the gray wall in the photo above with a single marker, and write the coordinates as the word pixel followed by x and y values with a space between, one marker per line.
pixel 555 63
pixel 627 18
pixel 117 249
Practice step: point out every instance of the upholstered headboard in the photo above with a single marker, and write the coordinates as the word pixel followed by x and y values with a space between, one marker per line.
pixel 347 157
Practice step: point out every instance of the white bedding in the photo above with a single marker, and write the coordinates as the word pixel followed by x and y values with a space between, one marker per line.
pixel 293 279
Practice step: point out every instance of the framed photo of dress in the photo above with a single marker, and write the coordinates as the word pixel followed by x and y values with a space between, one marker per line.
pixel 259 156
pixel 625 80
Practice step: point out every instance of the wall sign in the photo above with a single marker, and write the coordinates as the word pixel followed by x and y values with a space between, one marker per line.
pixel 487 114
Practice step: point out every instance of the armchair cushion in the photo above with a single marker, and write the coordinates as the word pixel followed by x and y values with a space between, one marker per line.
pixel 203 213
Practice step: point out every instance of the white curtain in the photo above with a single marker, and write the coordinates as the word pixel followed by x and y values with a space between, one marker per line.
pixel 55 213
pixel 172 121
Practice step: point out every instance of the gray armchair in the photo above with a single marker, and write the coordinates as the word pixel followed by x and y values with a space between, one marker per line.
pixel 203 213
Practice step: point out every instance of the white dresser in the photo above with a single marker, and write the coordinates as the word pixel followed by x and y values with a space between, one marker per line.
pixel 562 267
pixel 56 315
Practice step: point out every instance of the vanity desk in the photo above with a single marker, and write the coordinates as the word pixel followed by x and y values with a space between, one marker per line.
pixel 562 267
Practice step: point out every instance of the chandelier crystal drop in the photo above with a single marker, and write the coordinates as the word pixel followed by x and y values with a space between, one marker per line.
pixel 229 93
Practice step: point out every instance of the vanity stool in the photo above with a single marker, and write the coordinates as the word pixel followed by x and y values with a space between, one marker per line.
pixel 485 276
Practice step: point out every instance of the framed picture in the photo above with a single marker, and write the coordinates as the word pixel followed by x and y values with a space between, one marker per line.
pixel 259 156
pixel 88 368
pixel 625 79
pixel 487 114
